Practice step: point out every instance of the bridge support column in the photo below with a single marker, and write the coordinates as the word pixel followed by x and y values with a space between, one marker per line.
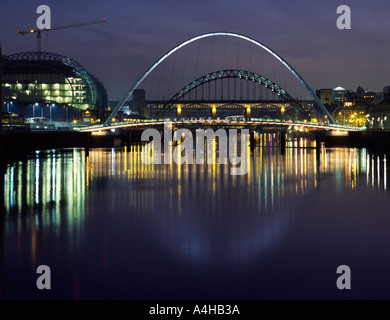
pixel 252 140
pixel 87 144
pixel 319 140
pixel 178 112
pixel 282 110
pixel 214 112
pixel 248 112
pixel 282 142
pixel 128 139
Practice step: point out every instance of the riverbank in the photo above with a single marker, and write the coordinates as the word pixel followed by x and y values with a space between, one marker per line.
pixel 378 141
pixel 19 143
pixel 16 144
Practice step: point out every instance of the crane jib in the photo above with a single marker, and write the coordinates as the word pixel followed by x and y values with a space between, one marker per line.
pixel 38 31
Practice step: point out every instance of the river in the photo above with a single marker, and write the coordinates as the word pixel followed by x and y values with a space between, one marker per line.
pixel 111 227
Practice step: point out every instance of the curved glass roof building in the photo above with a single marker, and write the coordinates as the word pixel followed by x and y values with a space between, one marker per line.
pixel 45 77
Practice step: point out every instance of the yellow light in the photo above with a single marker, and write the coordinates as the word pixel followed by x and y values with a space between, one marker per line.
pixel 282 109
pixel 74 121
pixel 99 133
pixel 339 133
pixel 113 120
pixel 31 31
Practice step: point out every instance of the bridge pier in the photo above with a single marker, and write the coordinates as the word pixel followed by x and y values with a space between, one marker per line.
pixel 252 140
pixel 125 137
pixel 214 112
pixel 248 112
pixel 128 140
pixel 320 138
pixel 87 144
pixel 282 142
pixel 178 112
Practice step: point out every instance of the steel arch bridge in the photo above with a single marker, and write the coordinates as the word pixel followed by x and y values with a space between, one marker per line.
pixel 235 74
pixel 216 34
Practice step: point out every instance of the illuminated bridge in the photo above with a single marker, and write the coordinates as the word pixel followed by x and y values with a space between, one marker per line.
pixel 181 103
pixel 193 101
pixel 126 132
pixel 234 122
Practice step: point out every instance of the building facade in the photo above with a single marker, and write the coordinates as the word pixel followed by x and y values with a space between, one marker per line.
pixel 326 96
pixel 49 78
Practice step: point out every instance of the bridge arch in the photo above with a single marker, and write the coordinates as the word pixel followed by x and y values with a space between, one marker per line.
pixel 215 34
pixel 238 74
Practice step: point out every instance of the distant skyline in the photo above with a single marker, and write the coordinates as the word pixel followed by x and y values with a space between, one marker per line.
pixel 137 33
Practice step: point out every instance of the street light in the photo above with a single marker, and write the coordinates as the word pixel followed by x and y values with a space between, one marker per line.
pixel 36 105
pixel 50 110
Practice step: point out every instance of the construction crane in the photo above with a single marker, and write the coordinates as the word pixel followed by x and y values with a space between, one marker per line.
pixel 39 31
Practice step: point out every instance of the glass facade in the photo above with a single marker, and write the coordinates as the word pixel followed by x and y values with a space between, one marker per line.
pixel 51 78
pixel 72 93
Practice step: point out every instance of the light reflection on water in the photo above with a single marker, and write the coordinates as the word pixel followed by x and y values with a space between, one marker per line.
pixel 111 225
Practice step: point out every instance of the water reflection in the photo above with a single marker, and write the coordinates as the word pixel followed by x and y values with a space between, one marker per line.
pixel 44 196
pixel 98 212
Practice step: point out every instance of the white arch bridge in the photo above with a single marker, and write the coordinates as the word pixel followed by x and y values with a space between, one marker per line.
pixel 109 121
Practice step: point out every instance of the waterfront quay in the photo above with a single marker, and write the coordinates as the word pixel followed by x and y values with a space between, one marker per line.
pixel 21 142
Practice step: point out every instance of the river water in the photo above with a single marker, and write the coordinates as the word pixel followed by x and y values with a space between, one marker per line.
pixel 111 227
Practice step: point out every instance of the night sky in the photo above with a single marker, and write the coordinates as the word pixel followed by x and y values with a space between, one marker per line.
pixel 138 32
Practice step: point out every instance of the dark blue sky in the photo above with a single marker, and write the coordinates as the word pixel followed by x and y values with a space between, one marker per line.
pixel 138 32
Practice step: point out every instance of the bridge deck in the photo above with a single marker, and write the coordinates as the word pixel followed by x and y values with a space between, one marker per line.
pixel 223 102
pixel 221 122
